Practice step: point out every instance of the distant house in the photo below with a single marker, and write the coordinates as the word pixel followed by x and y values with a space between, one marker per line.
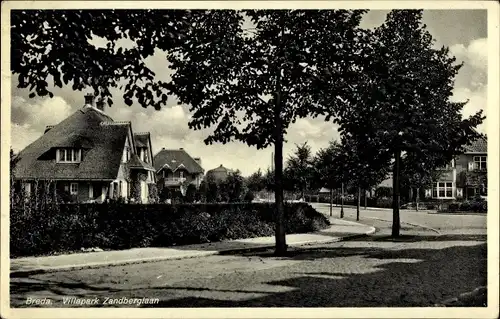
pixel 465 176
pixel 88 157
pixel 218 174
pixel 176 169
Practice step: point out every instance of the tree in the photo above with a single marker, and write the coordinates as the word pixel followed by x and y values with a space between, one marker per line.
pixel 365 165
pixel 56 44
pixel 256 181
pixel 190 195
pixel 299 172
pixel 419 170
pixel 327 169
pixel 250 84
pixel 211 189
pixel 401 99
pixel 233 188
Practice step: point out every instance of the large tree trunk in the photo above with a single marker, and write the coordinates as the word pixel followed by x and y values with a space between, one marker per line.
pixel 396 225
pixel 342 202
pixel 281 247
pixel 359 203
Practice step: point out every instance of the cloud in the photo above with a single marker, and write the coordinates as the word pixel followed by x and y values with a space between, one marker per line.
pixel 474 73
pixel 477 101
pixel 22 135
pixel 30 117
pixel 475 54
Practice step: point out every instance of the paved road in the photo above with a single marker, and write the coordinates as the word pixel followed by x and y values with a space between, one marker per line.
pixel 420 269
pixel 473 223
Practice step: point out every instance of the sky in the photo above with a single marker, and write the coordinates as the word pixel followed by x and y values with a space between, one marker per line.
pixel 463 31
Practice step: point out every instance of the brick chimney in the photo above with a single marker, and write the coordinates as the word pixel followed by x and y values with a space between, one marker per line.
pixel 90 99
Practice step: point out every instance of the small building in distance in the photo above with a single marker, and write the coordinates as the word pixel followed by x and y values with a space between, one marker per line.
pixel 218 174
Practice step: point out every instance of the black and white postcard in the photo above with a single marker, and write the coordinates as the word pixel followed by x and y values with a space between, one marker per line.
pixel 250 159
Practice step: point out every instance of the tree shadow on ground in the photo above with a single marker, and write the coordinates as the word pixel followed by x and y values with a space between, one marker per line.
pixel 409 278
pixel 396 277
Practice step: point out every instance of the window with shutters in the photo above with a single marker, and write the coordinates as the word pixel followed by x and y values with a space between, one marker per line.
pixel 68 155
pixel 442 190
pixel 480 162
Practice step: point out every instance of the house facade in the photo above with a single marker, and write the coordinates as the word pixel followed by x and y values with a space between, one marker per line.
pixel 465 176
pixel 176 169
pixel 88 157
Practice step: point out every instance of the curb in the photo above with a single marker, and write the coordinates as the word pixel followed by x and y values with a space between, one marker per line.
pixel 411 224
pixel 42 270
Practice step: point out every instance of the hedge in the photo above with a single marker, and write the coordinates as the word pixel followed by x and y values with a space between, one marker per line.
pixel 478 206
pixel 69 227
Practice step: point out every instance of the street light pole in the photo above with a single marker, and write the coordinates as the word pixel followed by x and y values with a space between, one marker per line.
pixel 342 202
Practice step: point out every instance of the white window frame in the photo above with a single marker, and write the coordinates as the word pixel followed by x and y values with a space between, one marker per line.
pixel 75 155
pixel 181 174
pixel 71 190
pixel 479 161
pixel 91 191
pixel 437 187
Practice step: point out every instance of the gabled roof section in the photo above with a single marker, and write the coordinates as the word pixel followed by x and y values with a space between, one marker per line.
pixel 173 159
pixel 102 148
pixel 136 162
pixel 478 146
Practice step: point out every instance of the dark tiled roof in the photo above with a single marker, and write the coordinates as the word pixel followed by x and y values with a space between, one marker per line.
pixel 136 162
pixel 141 139
pixel 102 146
pixel 219 169
pixel 478 146
pixel 174 158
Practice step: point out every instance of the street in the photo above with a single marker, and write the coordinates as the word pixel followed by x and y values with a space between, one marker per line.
pixel 420 269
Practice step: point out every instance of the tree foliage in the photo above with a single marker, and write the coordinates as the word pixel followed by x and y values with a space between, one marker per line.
pixel 59 45
pixel 232 189
pixel 401 99
pixel 328 166
pixel 299 170
pixel 256 182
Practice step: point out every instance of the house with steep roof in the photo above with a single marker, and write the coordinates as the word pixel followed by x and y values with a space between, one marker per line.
pixel 88 157
pixel 219 174
pixel 465 176
pixel 176 169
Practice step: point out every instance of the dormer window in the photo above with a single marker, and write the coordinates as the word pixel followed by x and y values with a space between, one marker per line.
pixel 69 155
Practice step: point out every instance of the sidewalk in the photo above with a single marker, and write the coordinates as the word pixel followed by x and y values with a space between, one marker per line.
pixel 339 230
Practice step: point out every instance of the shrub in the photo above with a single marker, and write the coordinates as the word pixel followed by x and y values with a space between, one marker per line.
pixel 453 207
pixel 116 225
pixel 478 205
pixel 465 206
pixel 249 196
